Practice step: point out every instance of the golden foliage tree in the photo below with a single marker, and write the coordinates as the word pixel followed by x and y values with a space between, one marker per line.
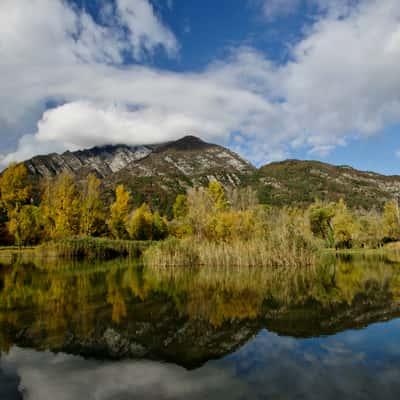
pixel 61 206
pixel 92 213
pixel 14 188
pixel 25 225
pixel 119 213
pixel 217 194
pixel 140 225
pixel 144 225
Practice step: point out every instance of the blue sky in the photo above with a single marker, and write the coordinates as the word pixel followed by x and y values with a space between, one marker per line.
pixel 271 79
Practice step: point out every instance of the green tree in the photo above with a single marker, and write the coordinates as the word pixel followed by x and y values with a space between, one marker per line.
pixel 320 218
pixel 217 194
pixel 160 227
pixel 391 220
pixel 344 228
pixel 371 229
pixel 15 189
pixel 180 207
pixel 140 226
pixel 92 213
pixel 119 213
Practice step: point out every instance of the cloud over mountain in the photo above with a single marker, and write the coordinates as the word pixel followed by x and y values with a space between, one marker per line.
pixel 341 81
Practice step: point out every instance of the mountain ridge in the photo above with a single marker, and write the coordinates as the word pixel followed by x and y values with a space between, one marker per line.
pixel 156 173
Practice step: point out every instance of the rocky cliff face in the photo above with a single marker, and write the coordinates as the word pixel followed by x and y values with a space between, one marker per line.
pixel 189 156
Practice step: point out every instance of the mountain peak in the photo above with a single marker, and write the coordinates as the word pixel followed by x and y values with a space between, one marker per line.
pixel 188 142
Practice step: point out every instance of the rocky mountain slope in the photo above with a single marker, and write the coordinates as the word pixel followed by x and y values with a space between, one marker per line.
pixel 153 173
pixel 157 173
pixel 296 182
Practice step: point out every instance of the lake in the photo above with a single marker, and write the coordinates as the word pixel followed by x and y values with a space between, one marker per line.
pixel 118 330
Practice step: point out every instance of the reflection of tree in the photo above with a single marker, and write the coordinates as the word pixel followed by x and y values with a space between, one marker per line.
pixel 71 298
pixel 115 296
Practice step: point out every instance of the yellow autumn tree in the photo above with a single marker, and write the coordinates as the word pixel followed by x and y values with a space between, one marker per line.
pixel 140 226
pixel 61 206
pixel 15 189
pixel 217 194
pixel 24 225
pixel 92 213
pixel 119 213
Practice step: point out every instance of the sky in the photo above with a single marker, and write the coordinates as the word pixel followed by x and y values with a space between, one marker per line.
pixel 270 79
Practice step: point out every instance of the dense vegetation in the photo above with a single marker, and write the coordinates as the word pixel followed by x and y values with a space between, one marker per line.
pixel 209 225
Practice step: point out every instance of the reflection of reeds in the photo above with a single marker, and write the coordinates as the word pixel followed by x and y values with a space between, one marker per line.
pixel 254 253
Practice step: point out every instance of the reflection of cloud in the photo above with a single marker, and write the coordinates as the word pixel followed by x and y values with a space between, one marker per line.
pixel 65 377
pixel 269 366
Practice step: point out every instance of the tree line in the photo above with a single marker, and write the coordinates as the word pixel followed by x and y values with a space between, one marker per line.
pixel 66 208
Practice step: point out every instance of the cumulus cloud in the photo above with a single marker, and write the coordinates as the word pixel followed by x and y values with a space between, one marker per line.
pixel 341 82
pixel 334 367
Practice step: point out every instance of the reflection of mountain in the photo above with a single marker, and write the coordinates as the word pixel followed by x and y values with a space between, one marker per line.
pixel 343 366
pixel 186 316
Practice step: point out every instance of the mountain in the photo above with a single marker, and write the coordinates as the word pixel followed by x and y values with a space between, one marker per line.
pixel 153 173
pixel 157 173
pixel 296 182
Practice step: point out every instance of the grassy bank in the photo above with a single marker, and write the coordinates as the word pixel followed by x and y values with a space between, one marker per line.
pixel 89 248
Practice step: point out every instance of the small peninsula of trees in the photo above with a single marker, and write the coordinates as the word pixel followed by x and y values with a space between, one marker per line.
pixel 209 224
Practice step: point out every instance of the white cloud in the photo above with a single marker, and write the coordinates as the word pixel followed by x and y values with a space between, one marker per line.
pixel 341 82
pixel 145 30
pixel 44 375
pixel 275 9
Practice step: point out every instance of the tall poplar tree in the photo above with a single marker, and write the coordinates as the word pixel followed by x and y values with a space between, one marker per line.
pixel 91 207
pixel 61 206
pixel 119 213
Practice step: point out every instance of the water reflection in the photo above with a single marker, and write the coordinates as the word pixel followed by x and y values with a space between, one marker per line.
pixel 189 317
pixel 342 366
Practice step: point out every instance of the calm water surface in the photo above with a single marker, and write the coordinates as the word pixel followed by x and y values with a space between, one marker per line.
pixel 115 330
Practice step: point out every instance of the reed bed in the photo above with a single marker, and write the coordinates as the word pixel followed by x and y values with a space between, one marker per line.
pixel 90 248
pixel 255 253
